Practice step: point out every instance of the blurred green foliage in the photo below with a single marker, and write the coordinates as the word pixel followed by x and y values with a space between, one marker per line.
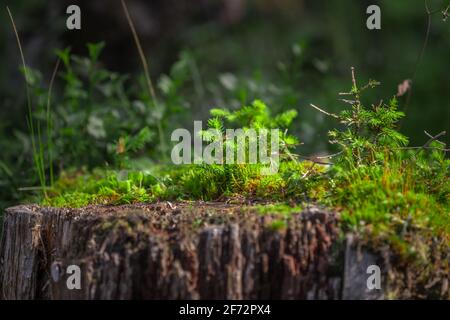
pixel 287 58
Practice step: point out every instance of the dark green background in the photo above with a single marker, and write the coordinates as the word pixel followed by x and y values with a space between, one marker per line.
pixel 252 41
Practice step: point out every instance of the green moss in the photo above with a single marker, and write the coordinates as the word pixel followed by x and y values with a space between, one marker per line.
pixel 392 193
pixel 281 209
pixel 278 225
pixel 380 187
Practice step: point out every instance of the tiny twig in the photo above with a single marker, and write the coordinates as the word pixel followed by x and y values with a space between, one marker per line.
pixel 314 159
pixel 353 78
pixel 34 188
pixel 443 133
pixel 330 155
pixel 351 102
pixel 445 13
pixel 307 173
pixel 432 138
pixel 324 112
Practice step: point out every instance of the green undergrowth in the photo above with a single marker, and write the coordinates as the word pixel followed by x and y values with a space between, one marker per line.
pixel 392 193
pixel 189 182
pixel 378 184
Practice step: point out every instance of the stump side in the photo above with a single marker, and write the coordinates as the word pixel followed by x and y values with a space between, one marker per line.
pixel 181 251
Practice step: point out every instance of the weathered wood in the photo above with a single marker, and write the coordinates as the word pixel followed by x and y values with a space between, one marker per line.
pixel 182 251
pixel 19 258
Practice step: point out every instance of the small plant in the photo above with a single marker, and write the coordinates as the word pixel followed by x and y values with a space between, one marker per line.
pixel 378 180
pixel 95 110
pixel 216 180
pixel 368 132
pixel 100 117
pixel 255 116
pixel 127 145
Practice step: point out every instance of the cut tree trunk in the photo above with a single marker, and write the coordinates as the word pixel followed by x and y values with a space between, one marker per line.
pixel 187 251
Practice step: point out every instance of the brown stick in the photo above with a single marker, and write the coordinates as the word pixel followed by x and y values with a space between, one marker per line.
pixel 324 112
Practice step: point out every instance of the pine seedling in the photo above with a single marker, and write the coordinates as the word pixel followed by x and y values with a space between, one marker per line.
pixel 368 132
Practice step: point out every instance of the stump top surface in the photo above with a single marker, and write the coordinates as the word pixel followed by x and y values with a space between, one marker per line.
pixel 187 215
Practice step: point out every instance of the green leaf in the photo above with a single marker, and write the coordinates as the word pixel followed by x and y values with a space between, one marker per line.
pixel 95 49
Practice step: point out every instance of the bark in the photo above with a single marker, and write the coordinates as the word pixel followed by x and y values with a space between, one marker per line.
pixel 181 251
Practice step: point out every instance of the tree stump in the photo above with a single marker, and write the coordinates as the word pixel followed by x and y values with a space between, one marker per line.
pixel 185 250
